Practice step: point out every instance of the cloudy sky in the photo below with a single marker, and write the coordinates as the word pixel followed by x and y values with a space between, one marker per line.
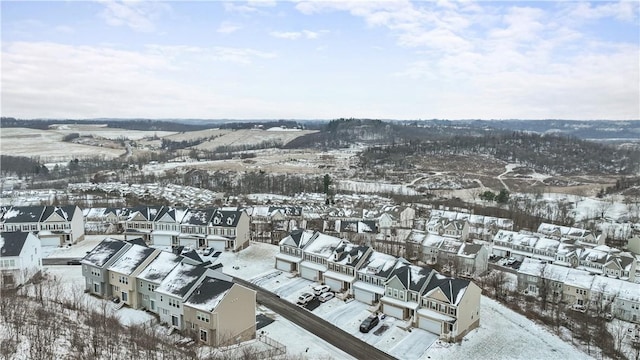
pixel 321 60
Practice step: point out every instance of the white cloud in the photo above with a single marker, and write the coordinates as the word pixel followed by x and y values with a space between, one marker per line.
pixel 137 15
pixel 228 27
pixel 62 81
pixel 621 10
pixel 295 35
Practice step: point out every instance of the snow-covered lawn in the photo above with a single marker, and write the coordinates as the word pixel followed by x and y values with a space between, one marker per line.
pixel 78 250
pixel 505 334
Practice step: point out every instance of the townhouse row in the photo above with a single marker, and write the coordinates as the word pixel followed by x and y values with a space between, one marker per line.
pixel 186 293
pixel 595 258
pixel 578 287
pixel 54 225
pixel 422 297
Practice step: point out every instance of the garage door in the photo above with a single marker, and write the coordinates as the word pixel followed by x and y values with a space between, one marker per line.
pixel 309 274
pixel 364 296
pixel 335 285
pixel 429 325
pixel 394 311
pixel 283 265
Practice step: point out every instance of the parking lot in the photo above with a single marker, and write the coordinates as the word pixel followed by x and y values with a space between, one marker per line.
pixel 349 314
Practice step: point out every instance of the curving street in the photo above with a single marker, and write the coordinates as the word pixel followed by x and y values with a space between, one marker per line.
pixel 316 325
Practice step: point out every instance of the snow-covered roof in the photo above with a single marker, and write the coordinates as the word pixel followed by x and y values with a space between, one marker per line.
pixel 181 279
pixel 226 218
pixel 433 240
pixel 23 214
pixel 11 243
pixel 64 212
pixel 412 277
pixel 197 217
pixel 322 245
pixel 103 252
pixel 349 254
pixel 160 267
pixel 131 259
pixel 379 264
pixel 453 288
pixel 298 238
pixel 578 278
pixel 208 294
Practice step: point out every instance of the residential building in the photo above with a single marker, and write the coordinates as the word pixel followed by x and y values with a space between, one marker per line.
pixel 449 307
pixel 123 272
pixel 229 230
pixel 20 258
pixel 291 253
pixel 317 252
pixel 177 286
pixel 96 263
pixel 403 290
pixel 150 278
pixel 343 263
pixel 166 226
pixel 373 274
pixel 139 222
pixel 583 236
pixel 219 312
pixel 54 225
pixel 194 228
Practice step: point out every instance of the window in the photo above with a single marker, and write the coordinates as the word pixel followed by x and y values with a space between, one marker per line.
pixel 174 320
pixel 203 335
pixel 203 317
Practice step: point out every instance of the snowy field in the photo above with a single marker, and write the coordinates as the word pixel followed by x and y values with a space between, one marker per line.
pixel 252 137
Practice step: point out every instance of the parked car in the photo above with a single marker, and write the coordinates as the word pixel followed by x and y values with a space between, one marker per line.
pixel 304 299
pixel 511 261
pixel 74 262
pixel 208 251
pixel 578 307
pixel 217 253
pixel 326 296
pixel 369 323
pixel 321 289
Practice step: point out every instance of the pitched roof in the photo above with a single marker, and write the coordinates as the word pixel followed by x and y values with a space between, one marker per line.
pixel 160 266
pixel 452 288
pixel 198 217
pixel 65 212
pixel 104 251
pixel 412 277
pixel 226 218
pixel 379 264
pixel 181 279
pixel 298 238
pixel 208 294
pixel 23 214
pixel 192 254
pixel 12 243
pixel 131 259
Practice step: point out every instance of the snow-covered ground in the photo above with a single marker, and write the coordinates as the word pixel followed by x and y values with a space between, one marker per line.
pixel 503 333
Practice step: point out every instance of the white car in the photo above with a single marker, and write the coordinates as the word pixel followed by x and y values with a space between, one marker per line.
pixel 304 299
pixel 511 261
pixel 321 289
pixel 326 296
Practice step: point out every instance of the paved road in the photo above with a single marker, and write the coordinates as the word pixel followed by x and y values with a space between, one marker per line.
pixel 314 324
pixel 57 261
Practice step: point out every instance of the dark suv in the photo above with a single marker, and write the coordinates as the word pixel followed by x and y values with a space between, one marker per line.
pixel 369 323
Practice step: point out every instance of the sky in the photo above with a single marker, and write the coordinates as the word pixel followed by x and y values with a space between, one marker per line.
pixel 321 60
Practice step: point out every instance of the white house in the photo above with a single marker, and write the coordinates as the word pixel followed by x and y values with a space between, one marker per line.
pixel 20 258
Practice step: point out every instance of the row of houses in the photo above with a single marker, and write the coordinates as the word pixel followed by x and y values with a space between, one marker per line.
pixel 167 226
pixel 186 293
pixel 578 287
pixel 54 225
pixel 566 251
pixel 419 295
